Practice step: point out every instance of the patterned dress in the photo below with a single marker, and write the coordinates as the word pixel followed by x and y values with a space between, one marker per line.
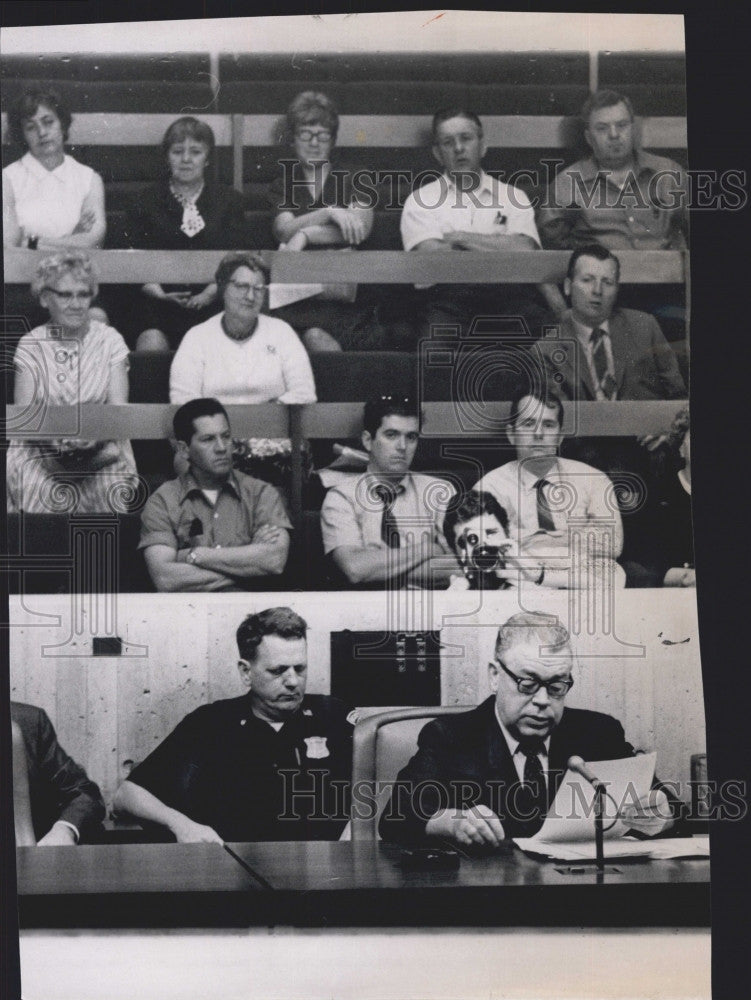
pixel 67 475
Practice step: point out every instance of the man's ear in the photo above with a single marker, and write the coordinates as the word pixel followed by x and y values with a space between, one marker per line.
pixel 366 437
pixel 567 287
pixel 435 150
pixel 510 434
pixel 243 667
pixel 493 675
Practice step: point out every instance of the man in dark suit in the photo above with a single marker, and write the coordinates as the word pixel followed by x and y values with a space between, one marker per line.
pixel 481 776
pixel 610 353
pixel 64 805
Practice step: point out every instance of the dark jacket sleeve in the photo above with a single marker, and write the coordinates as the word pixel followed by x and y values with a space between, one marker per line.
pixel 421 787
pixel 77 800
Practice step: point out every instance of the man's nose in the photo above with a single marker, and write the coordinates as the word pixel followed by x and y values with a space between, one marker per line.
pixel 541 697
pixel 291 679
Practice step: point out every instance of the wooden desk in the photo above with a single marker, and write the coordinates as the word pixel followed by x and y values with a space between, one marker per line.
pixel 132 885
pixel 323 883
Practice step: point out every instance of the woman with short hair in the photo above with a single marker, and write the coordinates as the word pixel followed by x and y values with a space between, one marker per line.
pixel 316 206
pixel 50 200
pixel 183 210
pixel 70 360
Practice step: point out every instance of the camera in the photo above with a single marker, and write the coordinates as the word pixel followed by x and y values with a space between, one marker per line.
pixel 480 563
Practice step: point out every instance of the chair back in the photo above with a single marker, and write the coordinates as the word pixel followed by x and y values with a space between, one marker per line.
pixel 24 827
pixel 383 744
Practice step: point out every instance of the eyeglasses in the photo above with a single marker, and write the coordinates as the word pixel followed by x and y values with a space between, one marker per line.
pixel 308 136
pixel 70 296
pixel 243 287
pixel 529 685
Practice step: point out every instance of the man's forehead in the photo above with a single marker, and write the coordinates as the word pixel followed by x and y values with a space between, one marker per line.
pixel 210 425
pixel 611 113
pixel 592 265
pixel 280 649
pixel 457 124
pixel 532 408
pixel 529 657
pixel 395 422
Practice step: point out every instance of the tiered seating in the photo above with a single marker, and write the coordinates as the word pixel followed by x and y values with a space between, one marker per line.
pixel 530 103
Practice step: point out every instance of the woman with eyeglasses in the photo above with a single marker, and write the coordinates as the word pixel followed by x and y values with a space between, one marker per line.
pixel 72 359
pixel 183 210
pixel 50 200
pixel 242 355
pixel 316 206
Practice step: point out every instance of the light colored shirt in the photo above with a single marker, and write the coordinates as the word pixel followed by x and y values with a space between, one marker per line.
pixel 493 208
pixel 584 336
pixel 48 203
pixel 272 364
pixel 586 495
pixel 352 515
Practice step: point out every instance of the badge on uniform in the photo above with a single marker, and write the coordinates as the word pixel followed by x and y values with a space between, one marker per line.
pixel 316 747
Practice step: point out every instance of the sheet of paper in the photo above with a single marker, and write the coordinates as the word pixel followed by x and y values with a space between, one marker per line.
pixel 284 295
pixel 621 847
pixel 571 819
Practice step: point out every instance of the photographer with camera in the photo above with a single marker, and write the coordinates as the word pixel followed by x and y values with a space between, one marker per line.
pixel 476 528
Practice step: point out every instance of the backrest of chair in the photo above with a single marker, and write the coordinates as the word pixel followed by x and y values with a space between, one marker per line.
pixel 383 744
pixel 24 827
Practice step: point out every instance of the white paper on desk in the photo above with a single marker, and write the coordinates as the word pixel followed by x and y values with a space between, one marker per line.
pixel 284 295
pixel 570 820
pixel 622 847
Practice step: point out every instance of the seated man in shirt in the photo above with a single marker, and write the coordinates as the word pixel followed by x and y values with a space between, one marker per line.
pixel 620 197
pixel 212 528
pixel 548 498
pixel 65 806
pixel 481 776
pixel 611 353
pixel 384 526
pixel 273 764
pixel 466 209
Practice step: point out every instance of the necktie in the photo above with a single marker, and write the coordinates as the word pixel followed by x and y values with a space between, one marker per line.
pixel 544 515
pixel 605 380
pixel 534 798
pixel 387 494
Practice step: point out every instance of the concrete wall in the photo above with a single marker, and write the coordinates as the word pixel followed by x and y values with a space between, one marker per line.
pixel 180 652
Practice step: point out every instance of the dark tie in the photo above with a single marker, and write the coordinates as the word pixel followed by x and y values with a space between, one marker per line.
pixel 605 380
pixel 387 494
pixel 534 798
pixel 544 515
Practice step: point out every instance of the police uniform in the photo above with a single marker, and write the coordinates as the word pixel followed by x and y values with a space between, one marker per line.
pixel 226 768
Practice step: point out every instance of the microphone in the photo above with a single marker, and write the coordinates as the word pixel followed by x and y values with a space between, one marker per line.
pixel 580 766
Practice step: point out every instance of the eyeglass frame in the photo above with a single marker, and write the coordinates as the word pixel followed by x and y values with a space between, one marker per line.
pixel 306 135
pixel 69 296
pixel 245 286
pixel 537 684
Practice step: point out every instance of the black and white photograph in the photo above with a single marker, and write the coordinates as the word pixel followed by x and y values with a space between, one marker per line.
pixel 353 643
